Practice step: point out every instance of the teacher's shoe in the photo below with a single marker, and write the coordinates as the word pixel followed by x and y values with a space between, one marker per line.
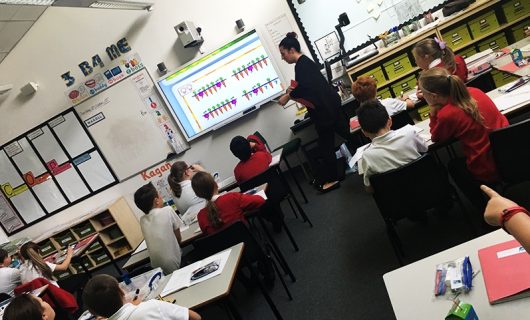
pixel 328 189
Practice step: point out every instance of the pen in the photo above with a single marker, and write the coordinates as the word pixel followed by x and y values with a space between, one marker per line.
pixel 518 84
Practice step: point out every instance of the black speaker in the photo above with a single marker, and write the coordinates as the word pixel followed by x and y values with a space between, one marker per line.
pixel 240 24
pixel 343 19
pixel 162 67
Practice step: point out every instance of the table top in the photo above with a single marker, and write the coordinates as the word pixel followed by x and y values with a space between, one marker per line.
pixel 411 288
pixel 187 236
pixel 210 290
pixel 506 59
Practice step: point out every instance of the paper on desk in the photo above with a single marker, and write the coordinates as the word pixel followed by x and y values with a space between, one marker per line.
pixel 514 98
pixel 141 247
pixel 181 278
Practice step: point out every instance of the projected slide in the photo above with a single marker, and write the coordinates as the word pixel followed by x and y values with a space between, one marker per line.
pixel 221 85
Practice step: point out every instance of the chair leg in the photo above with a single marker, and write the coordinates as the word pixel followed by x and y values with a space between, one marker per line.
pixel 297 204
pixel 303 167
pixel 292 208
pixel 275 266
pixel 288 232
pixel 265 294
pixel 295 179
pixel 395 242
pixel 276 251
pixel 231 309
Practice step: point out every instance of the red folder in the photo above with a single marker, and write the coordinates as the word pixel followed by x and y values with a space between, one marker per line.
pixel 506 271
pixel 302 101
pixel 354 123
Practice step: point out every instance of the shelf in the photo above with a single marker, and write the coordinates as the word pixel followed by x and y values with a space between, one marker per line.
pixel 106 227
pixel 114 240
pixel 122 254
pixel 401 77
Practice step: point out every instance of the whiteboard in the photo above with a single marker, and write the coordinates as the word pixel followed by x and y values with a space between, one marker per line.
pixel 126 123
pixel 367 17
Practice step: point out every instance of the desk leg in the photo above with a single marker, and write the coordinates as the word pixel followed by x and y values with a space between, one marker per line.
pixel 266 294
pixel 297 204
pixel 295 179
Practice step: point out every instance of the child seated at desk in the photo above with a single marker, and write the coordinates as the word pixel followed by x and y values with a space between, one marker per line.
pixel 222 209
pixel 28 307
pixel 33 265
pixel 469 115
pixel 390 149
pixel 251 163
pixel 179 181
pixel 365 88
pixel 161 229
pixel 9 277
pixel 104 299
pixel 430 53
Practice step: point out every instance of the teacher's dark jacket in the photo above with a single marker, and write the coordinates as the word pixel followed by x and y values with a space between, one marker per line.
pixel 323 101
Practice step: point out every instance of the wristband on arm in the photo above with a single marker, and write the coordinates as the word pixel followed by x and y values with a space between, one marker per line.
pixel 508 213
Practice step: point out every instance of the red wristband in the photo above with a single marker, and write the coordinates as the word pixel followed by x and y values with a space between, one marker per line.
pixel 508 213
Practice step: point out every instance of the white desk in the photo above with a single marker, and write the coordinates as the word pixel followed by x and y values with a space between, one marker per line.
pixel 506 59
pixel 411 288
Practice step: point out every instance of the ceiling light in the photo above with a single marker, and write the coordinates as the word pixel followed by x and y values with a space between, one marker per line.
pixel 102 4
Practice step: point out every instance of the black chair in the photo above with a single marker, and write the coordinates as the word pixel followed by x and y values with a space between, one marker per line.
pixel 4 296
pixel 401 119
pixel 291 147
pixel 392 194
pixel 253 254
pixel 511 151
pixel 75 284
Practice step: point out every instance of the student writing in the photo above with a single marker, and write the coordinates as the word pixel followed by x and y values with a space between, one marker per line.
pixel 469 115
pixel 33 265
pixel 104 298
pixel 161 229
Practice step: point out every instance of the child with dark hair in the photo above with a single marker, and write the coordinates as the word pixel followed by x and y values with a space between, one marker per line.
pixel 390 149
pixel 256 144
pixel 28 307
pixel 179 181
pixel 161 229
pixel 33 265
pixel 104 299
pixel 9 277
pixel 251 163
pixel 222 209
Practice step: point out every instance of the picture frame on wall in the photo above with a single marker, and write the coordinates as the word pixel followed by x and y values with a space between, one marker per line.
pixel 328 46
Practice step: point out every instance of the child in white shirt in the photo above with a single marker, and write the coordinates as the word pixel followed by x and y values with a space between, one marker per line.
pixel 33 265
pixel 9 277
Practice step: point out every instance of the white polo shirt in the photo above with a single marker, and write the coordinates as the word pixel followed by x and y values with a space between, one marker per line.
pixel 188 199
pixel 9 279
pixel 162 245
pixel 151 310
pixel 390 151
pixel 393 106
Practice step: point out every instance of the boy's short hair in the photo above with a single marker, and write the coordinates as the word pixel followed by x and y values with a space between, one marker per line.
pixel 145 196
pixel 364 89
pixel 372 116
pixel 102 295
pixel 240 147
pixel 3 255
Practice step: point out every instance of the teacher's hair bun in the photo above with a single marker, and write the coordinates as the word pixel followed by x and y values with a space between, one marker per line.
pixel 291 35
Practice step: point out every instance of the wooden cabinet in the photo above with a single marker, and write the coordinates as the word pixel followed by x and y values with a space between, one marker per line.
pixel 119 234
pixel 485 23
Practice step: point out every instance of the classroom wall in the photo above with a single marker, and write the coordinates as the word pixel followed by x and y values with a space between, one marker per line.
pixel 63 37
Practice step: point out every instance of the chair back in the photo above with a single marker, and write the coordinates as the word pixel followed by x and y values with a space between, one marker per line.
pixel 401 119
pixel 415 187
pixel 227 237
pixel 262 138
pixel 511 151
pixel 276 190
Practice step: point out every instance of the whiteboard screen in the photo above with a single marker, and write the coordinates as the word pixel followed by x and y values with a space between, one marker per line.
pixel 120 120
pixel 367 17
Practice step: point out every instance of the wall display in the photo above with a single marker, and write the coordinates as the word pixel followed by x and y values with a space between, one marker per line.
pixel 131 127
pixel 318 18
pixel 47 169
pixel 328 46
pixel 221 86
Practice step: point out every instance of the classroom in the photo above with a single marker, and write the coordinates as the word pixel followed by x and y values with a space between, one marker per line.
pixel 120 134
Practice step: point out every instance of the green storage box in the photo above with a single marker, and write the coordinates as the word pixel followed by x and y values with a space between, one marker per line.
pixel 495 42
pixel 46 248
pixel 100 257
pixel 486 23
pixel 404 85
pixel 83 230
pixel 457 37
pixel 516 9
pixel 518 30
pixel 64 238
pixel 77 265
pixel 376 74
pixel 423 112
pixel 466 53
pixel 397 66
pixel 501 78
pixel 63 275
pixel 384 93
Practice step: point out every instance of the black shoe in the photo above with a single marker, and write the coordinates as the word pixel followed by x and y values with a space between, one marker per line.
pixel 333 187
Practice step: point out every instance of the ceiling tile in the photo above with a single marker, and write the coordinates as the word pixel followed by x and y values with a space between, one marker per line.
pixel 28 12
pixel 7 11
pixel 2 56
pixel 12 33
pixel 2 25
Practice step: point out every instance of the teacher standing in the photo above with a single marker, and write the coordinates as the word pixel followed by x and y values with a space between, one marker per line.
pixel 323 104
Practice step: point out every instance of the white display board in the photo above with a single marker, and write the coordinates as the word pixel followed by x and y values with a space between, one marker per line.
pixel 130 125
pixel 47 169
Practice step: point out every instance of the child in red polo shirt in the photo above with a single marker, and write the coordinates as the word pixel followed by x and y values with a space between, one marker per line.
pixel 251 163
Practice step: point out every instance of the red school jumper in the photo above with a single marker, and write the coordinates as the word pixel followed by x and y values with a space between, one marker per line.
pixel 452 122
pixel 231 207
